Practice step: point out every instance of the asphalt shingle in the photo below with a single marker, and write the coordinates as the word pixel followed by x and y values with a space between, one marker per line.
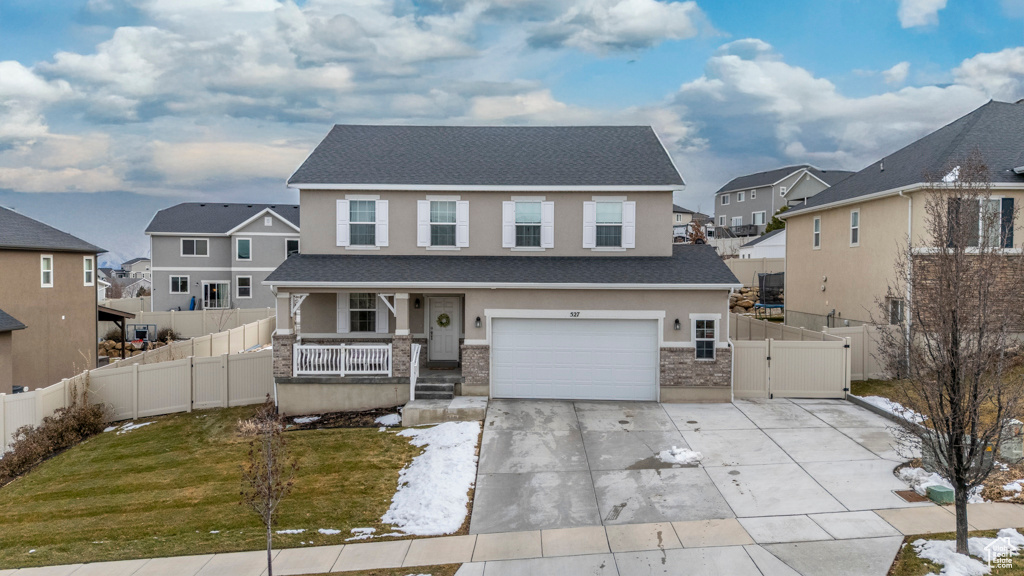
pixel 490 156
pixel 19 232
pixel 767 178
pixel 214 218
pixel 9 323
pixel 689 264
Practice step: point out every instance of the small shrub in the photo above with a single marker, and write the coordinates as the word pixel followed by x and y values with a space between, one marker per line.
pixel 167 335
pixel 34 444
pixel 113 334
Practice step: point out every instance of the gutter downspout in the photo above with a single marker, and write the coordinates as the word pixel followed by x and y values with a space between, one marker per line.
pixel 910 263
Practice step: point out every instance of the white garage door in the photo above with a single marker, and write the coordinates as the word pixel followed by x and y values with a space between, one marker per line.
pixel 574 359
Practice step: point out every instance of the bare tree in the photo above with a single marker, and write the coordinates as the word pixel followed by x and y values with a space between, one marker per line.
pixel 268 472
pixel 956 301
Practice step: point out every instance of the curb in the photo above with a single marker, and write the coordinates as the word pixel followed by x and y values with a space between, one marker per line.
pixel 872 408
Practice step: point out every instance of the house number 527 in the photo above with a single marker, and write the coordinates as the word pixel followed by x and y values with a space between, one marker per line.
pixel 574 314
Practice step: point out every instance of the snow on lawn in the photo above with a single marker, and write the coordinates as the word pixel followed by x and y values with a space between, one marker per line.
pixel 680 456
pixel 1014 486
pixel 894 408
pixel 329 531
pixel 920 479
pixel 305 419
pixel 944 552
pixel 389 420
pixel 433 490
pixel 292 531
pixel 361 534
pixel 126 428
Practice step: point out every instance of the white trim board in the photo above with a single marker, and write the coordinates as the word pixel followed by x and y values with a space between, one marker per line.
pixel 489 188
pixel 260 215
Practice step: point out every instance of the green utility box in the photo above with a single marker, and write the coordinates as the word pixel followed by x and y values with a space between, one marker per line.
pixel 940 494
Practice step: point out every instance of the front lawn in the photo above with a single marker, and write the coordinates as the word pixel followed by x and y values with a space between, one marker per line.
pixel 172 488
pixel 908 563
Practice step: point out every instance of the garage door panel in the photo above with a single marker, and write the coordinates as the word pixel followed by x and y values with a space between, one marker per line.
pixel 574 359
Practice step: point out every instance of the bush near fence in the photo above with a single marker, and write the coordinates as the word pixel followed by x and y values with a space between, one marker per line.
pixel 205 372
pixel 191 323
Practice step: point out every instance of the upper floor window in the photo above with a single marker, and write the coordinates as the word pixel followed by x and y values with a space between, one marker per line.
pixel 817 233
pixel 195 247
pixel 243 249
pixel 609 224
pixel 442 223
pixel 896 313
pixel 89 270
pixel 854 227
pixel 721 220
pixel 758 218
pixel 291 246
pixel 46 271
pixel 753 194
pixel 268 220
pixel 679 217
pixel 782 190
pixel 740 196
pixel 725 199
pixel 527 224
pixel 987 222
pixel 361 223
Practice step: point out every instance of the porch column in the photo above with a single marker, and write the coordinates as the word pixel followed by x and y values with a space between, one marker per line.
pixel 401 344
pixel 284 337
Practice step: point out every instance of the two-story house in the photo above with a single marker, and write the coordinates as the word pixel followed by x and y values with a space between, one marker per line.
pixel 48 298
pixel 214 256
pixel 683 221
pixel 745 204
pixel 532 260
pixel 843 245
pixel 137 268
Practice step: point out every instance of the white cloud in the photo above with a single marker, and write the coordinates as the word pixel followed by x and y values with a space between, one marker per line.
pixel 914 13
pixel 603 25
pixel 191 163
pixel 998 74
pixel 31 179
pixel 897 74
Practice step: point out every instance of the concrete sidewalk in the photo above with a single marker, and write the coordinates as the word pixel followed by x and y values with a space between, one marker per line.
pixel 830 544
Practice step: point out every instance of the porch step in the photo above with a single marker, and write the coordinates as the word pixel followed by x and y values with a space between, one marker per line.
pixel 461 408
pixel 434 395
pixel 435 391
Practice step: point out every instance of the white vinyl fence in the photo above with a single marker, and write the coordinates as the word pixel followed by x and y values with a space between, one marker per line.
pixel 864 361
pixel 772 360
pixel 189 323
pixel 205 372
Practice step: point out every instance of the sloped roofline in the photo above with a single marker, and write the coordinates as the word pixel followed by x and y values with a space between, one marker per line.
pixel 259 215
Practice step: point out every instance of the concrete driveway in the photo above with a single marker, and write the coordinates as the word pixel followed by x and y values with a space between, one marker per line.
pixel 553 464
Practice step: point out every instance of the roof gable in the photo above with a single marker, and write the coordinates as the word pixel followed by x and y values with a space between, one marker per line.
pixel 773 177
pixel 479 157
pixel 9 323
pixel 216 218
pixel 19 232
pixel 763 237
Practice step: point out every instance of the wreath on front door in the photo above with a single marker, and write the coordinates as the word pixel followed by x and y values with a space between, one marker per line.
pixel 443 320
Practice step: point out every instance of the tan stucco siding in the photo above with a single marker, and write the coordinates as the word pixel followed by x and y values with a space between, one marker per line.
pixel 857 276
pixel 653 229
pixel 60 338
pixel 6 366
pixel 319 310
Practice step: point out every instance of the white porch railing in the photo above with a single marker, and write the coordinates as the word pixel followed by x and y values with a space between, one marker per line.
pixel 341 359
pixel 414 370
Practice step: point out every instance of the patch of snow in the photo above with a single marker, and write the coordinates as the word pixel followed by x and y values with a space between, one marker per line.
pixel 329 531
pixel 361 534
pixel 389 420
pixel 110 428
pixel 953 175
pixel 126 428
pixel 944 552
pixel 433 490
pixel 920 479
pixel 1014 486
pixel 680 456
pixel 305 419
pixel 32 551
pixel 894 408
pixel 382 429
pixel 292 531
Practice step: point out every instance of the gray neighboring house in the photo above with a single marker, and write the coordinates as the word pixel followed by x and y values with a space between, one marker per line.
pixel 744 206
pixel 137 268
pixel 219 253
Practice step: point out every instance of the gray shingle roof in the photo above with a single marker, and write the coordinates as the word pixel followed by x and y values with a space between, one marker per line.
pixel 9 323
pixel 680 209
pixel 996 130
pixel 759 179
pixel 490 156
pixel 19 232
pixel 214 218
pixel 132 261
pixel 688 265
pixel 762 238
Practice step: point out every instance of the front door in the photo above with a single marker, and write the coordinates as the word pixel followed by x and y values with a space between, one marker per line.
pixel 443 327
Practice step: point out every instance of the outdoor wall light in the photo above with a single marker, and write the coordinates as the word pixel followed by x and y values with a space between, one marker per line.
pixel 477 321
pixel 678 326
pixel 416 303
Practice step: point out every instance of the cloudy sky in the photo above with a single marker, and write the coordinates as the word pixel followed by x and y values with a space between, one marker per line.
pixel 113 109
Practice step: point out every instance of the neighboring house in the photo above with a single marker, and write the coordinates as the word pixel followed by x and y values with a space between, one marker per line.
pixel 8 325
pixel 101 289
pixel 534 258
pixel 49 284
pixel 770 245
pixel 683 221
pixel 744 206
pixel 137 268
pixel 104 273
pixel 219 254
pixel 843 244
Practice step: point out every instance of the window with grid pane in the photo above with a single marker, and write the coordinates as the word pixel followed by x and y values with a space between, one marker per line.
pixel 704 339
pixel 442 223
pixel 528 224
pixel 362 310
pixel 362 218
pixel 609 224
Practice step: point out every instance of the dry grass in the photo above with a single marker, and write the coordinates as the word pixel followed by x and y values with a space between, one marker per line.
pixel 162 490
pixel 907 562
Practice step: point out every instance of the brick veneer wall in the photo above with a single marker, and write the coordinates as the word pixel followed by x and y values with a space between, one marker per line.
pixel 476 365
pixel 401 355
pixel 680 367
pixel 283 355
pixel 1006 296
